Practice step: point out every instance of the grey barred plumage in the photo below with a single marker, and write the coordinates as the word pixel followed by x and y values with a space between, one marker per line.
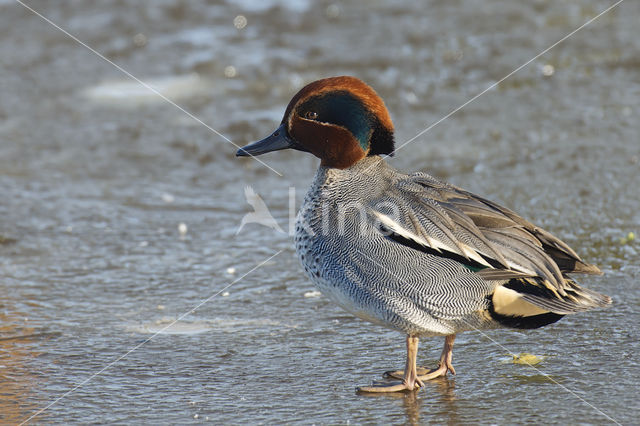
pixel 371 275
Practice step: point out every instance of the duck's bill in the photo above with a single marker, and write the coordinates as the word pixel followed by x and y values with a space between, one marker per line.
pixel 274 142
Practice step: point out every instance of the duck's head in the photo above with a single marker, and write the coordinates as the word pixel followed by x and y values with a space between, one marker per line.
pixel 340 120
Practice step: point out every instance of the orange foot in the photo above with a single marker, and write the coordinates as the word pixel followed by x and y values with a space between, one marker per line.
pixel 443 368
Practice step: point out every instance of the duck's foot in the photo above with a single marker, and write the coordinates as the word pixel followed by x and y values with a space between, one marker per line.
pixel 403 386
pixel 423 373
pixel 443 368
pixel 410 380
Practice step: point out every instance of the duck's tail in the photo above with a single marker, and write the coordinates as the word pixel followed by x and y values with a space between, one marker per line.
pixel 526 302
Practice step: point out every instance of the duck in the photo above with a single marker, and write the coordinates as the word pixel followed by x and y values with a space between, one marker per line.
pixel 411 252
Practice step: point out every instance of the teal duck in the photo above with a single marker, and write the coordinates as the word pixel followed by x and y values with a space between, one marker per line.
pixel 408 251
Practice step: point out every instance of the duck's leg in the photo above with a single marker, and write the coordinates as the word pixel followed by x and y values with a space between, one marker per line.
pixel 444 366
pixel 445 361
pixel 410 380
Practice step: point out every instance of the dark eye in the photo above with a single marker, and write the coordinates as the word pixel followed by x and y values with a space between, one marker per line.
pixel 311 115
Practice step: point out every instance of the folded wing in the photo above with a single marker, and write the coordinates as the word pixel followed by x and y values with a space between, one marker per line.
pixel 443 220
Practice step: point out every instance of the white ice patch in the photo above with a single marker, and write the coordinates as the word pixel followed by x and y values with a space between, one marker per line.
pixel 129 92
pixel 168 326
pixel 260 6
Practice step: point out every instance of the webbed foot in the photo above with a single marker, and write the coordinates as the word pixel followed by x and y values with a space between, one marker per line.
pixel 379 387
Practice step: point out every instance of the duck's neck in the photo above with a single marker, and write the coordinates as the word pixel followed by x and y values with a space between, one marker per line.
pixel 365 175
pixel 365 166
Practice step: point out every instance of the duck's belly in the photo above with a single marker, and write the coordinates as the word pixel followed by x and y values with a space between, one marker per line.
pixel 344 275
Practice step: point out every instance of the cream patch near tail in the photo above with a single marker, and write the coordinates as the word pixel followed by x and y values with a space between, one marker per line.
pixel 510 303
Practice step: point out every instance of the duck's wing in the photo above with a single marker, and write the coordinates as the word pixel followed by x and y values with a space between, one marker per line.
pixel 443 220
pixel 488 216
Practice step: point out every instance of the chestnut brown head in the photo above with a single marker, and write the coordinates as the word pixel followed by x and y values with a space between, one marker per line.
pixel 340 120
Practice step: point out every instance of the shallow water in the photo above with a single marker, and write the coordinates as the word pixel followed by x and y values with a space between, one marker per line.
pixel 97 176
